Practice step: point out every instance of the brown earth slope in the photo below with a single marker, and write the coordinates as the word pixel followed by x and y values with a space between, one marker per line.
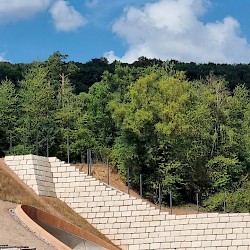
pixel 99 171
pixel 12 189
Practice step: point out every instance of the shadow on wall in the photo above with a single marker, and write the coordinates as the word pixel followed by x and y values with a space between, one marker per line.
pixel 72 236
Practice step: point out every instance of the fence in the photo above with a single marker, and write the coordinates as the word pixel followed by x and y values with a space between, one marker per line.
pixel 46 152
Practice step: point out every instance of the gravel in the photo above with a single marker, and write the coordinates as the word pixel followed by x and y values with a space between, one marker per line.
pixel 14 233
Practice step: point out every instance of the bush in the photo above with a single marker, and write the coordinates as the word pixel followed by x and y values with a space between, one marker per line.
pixel 238 201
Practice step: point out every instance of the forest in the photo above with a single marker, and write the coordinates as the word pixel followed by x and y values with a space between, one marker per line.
pixel 183 126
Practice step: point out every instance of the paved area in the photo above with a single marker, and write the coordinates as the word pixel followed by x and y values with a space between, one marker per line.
pixel 14 234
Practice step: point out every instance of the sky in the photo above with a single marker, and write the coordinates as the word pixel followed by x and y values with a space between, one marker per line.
pixel 198 31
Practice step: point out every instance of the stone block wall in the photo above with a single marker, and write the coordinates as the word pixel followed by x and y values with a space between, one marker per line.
pixel 34 171
pixel 129 222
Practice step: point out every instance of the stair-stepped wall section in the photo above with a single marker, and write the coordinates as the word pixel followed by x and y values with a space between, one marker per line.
pixel 114 213
pixel 129 222
pixel 35 171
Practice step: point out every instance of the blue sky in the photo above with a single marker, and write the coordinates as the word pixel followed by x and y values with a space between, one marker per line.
pixel 185 30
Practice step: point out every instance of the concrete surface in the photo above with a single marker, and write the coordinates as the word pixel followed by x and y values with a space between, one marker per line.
pixel 13 233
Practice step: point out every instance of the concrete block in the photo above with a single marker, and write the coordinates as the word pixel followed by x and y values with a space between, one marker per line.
pixel 226 243
pixel 131 207
pixel 98 198
pixel 66 175
pixel 14 163
pixel 114 209
pixel 246 217
pixel 54 165
pixel 90 188
pixel 137 202
pixel 79 179
pixel 245 242
pixel 111 220
pixel 105 193
pixel 117 203
pixel 126 213
pixel 92 204
pixel 18 157
pixel 221 237
pixel 242 236
pixel 115 197
pixel 92 215
pixel 100 188
pixel 112 192
pixel 73 173
pixel 154 245
pixel 24 162
pixel 246 230
pixel 145 246
pixel 127 202
pixel 238 242
pixel 100 203
pixel 196 244
pixel 84 184
pixel 121 219
pixel 105 209
pixel 123 208
pixel 9 158
pixel 88 199
pixel 79 189
pixel 154 212
pixel 128 242
pixel 231 236
pixel 134 247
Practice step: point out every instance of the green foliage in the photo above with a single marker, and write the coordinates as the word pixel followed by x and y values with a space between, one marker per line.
pixel 237 201
pixel 8 113
pixel 187 136
pixel 8 105
pixel 224 172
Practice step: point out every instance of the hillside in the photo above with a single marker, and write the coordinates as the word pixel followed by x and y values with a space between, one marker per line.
pixel 99 171
pixel 13 190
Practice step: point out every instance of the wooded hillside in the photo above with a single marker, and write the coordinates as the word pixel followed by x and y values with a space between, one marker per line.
pixel 183 126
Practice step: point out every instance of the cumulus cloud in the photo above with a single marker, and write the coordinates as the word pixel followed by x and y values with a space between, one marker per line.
pixel 172 29
pixel 11 10
pixel 65 17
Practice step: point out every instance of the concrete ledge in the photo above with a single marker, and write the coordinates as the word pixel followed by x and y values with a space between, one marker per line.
pixel 39 230
pixel 32 214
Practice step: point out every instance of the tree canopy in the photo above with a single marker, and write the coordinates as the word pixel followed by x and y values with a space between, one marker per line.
pixel 188 134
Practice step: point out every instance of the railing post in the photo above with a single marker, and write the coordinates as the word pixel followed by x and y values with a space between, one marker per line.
pixel 11 151
pixel 128 179
pixel 224 202
pixel 108 170
pixel 24 144
pixel 197 202
pixel 88 160
pixel 141 185
pixel 37 144
pixel 160 196
pixel 47 146
pixel 68 147
pixel 170 202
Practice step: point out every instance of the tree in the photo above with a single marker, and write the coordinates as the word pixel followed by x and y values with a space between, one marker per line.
pixel 8 112
pixel 37 108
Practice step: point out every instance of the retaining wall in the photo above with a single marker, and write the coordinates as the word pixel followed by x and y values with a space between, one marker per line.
pixel 129 222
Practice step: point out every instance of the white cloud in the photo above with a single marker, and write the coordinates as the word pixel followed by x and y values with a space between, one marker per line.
pixel 11 10
pixel 2 57
pixel 65 17
pixel 92 3
pixel 172 29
